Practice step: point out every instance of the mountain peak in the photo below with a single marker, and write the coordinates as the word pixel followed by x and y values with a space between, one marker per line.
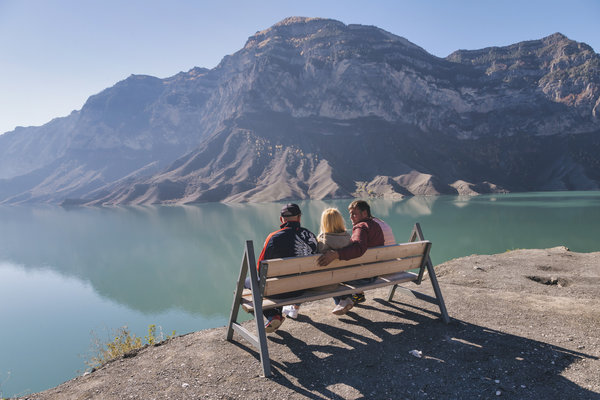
pixel 556 35
pixel 293 27
pixel 550 47
pixel 559 40
pixel 297 31
pixel 299 20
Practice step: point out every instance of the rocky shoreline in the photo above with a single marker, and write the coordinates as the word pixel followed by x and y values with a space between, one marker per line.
pixel 525 325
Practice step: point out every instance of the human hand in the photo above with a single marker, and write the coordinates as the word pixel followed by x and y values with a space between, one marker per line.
pixel 327 258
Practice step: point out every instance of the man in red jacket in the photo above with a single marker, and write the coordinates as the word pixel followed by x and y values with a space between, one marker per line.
pixel 366 233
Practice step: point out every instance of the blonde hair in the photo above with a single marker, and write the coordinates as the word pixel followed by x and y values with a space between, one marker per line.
pixel 332 221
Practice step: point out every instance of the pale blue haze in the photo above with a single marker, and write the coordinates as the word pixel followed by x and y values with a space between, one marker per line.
pixel 55 54
pixel 67 272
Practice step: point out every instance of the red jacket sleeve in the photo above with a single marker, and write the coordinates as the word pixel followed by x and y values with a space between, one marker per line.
pixel 365 234
pixel 267 250
pixel 358 243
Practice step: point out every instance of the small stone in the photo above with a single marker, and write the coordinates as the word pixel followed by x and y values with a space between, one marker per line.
pixel 416 353
pixel 498 393
pixel 184 385
pixel 497 381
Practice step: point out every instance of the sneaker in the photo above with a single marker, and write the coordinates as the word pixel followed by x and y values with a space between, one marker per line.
pixel 273 323
pixel 358 298
pixel 291 311
pixel 343 306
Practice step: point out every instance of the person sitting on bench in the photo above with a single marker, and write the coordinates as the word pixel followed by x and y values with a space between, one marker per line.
pixel 291 240
pixel 333 236
pixel 366 233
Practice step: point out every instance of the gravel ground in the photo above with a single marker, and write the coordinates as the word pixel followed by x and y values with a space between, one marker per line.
pixel 525 325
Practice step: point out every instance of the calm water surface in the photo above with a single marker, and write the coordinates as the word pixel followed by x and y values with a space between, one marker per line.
pixel 68 276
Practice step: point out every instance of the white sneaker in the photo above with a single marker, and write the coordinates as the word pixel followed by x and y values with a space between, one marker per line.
pixel 291 311
pixel 343 306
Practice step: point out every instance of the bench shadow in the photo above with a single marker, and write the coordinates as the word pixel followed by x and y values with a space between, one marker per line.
pixel 459 360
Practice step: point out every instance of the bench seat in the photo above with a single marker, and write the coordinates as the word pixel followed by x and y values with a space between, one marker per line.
pixel 317 293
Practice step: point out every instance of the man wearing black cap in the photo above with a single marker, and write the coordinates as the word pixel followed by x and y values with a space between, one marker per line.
pixel 291 240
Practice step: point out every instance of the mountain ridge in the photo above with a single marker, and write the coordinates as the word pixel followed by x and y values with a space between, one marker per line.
pixel 314 108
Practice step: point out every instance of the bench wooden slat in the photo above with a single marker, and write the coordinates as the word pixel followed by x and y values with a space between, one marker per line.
pixel 292 283
pixel 245 334
pixel 318 294
pixel 297 265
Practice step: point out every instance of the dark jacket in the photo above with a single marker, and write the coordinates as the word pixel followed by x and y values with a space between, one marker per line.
pixel 291 240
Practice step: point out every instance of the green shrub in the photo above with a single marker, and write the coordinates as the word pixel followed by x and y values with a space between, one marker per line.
pixel 125 343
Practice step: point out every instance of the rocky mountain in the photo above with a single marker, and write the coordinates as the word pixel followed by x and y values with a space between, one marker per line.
pixel 314 108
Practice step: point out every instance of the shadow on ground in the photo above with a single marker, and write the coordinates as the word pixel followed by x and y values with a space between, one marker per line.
pixel 459 360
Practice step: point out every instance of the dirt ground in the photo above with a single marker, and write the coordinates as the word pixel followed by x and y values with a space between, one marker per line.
pixel 525 325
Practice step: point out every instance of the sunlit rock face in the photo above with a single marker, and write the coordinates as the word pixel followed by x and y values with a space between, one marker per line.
pixel 313 108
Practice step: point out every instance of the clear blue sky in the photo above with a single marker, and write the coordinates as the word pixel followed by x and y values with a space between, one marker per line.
pixel 55 54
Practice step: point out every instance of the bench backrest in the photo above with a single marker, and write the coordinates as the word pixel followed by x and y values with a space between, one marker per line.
pixel 283 275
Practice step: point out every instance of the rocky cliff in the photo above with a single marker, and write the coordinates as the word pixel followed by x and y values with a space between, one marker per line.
pixel 314 108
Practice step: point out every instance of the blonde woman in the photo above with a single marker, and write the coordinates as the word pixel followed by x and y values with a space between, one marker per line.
pixel 332 236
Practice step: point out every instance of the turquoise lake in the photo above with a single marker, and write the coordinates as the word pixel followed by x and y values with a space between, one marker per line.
pixel 69 275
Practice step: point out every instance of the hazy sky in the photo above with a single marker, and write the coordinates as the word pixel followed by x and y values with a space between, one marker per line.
pixel 55 54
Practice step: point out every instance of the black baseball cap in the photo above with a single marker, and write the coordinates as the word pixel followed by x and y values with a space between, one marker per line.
pixel 290 210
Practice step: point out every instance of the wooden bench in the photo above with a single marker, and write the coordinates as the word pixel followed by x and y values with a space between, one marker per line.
pixel 389 265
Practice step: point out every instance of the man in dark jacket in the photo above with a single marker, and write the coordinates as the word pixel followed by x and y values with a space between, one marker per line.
pixel 366 233
pixel 291 240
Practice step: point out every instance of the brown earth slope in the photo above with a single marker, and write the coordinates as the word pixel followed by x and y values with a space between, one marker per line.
pixel 525 325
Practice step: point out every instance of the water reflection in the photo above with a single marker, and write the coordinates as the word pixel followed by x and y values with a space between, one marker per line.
pixel 155 258
pixel 148 258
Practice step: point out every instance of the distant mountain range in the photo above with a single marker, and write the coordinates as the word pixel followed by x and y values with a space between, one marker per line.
pixel 314 108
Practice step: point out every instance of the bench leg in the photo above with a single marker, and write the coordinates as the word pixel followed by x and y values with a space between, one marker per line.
pixel 262 344
pixel 437 291
pixel 392 292
pixel 237 296
pixel 417 234
pixel 259 341
pixel 258 318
